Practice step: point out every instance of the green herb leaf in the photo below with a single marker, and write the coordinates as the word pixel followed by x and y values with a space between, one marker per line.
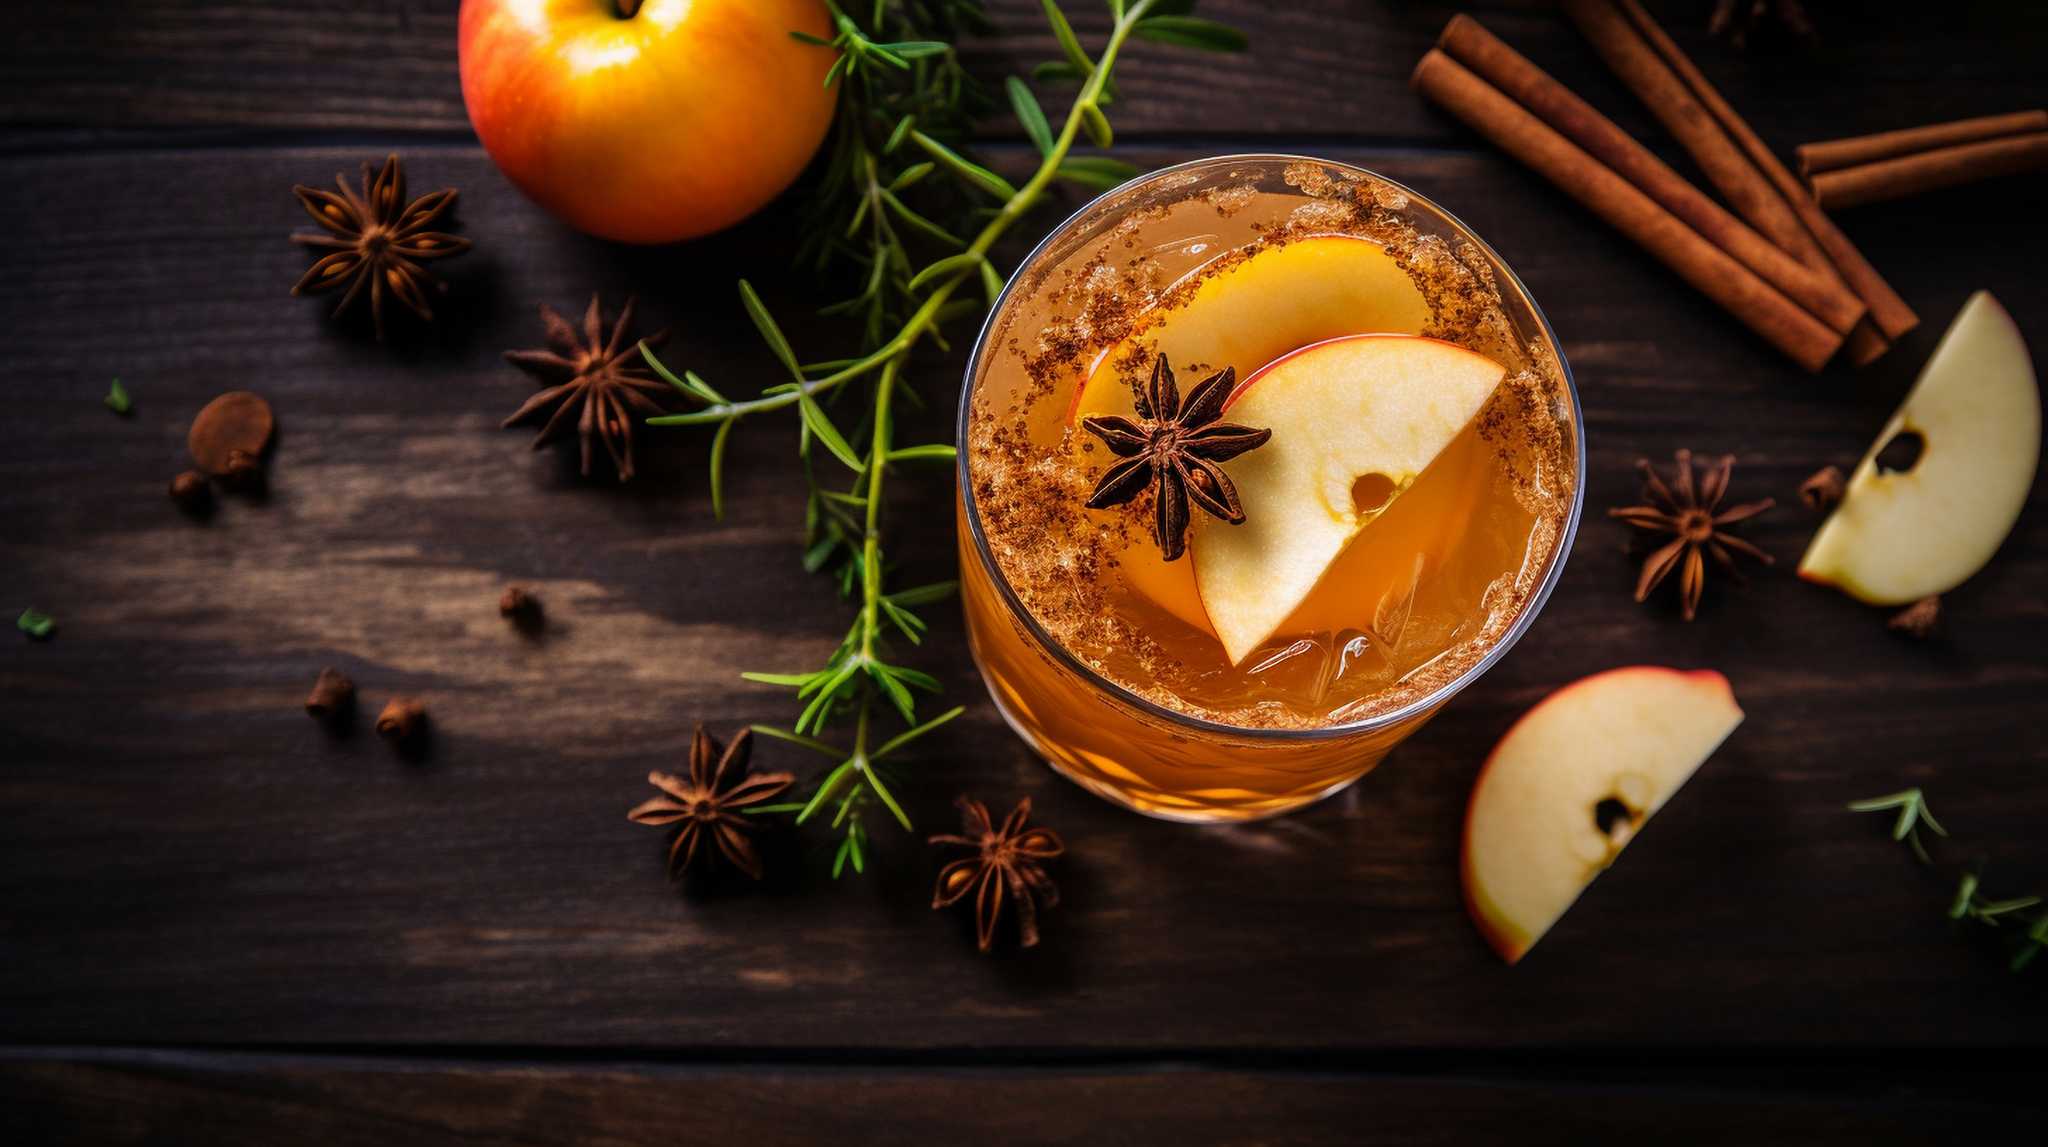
pixel 1028 113
pixel 894 690
pixel 907 623
pixel 935 452
pixel 811 743
pixel 117 398
pixel 1966 895
pixel 911 176
pixel 899 133
pixel 688 382
pixel 973 173
pixel 821 425
pixel 922 680
pixel 1069 43
pixel 1192 32
pixel 943 267
pixel 925 594
pixel 925 226
pixel 36 623
pixel 718 441
pixel 770 333
pixel 901 739
pixel 1055 71
pixel 917 49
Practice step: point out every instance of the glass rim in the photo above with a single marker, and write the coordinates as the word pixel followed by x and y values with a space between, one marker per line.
pixel 1421 705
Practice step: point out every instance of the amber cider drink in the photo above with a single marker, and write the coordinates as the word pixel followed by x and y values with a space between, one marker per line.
pixel 1112 661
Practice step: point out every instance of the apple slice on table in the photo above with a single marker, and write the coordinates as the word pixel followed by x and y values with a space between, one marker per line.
pixel 1573 782
pixel 1354 421
pixel 1901 535
pixel 1249 314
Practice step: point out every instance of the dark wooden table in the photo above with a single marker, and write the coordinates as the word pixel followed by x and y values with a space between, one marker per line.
pixel 219 925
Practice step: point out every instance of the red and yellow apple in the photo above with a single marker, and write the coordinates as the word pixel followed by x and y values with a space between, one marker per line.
pixel 1901 535
pixel 1364 414
pixel 1573 782
pixel 1244 316
pixel 647 122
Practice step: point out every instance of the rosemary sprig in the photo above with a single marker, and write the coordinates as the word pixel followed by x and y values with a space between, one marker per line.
pixel 905 105
pixel 1969 903
pixel 1913 813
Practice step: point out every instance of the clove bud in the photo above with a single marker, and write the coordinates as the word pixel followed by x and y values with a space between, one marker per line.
pixel 244 470
pixel 1917 619
pixel 521 607
pixel 1822 490
pixel 191 492
pixel 403 720
pixel 333 696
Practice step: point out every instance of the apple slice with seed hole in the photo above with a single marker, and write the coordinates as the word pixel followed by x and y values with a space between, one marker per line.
pixel 1915 522
pixel 1573 782
pixel 1244 316
pixel 1355 420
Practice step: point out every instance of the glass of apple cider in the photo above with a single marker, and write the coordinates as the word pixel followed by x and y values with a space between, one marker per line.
pixel 1401 526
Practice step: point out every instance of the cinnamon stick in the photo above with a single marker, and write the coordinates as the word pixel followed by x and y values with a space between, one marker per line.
pixel 1674 104
pixel 1718 275
pixel 1931 170
pixel 1822 293
pixel 1888 312
pixel 1829 155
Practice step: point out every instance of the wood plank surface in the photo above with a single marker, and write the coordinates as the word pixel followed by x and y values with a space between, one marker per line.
pixel 190 859
pixel 1328 70
pixel 217 921
pixel 225 1100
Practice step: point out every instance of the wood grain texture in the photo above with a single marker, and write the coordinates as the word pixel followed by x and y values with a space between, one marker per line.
pixel 186 857
pixel 1320 71
pixel 224 1100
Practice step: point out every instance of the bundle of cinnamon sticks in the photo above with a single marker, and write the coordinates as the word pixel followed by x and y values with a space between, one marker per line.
pixel 1775 262
pixel 1895 164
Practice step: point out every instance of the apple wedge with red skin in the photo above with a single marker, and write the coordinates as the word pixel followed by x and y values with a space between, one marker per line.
pixel 1342 410
pixel 1247 314
pixel 1573 782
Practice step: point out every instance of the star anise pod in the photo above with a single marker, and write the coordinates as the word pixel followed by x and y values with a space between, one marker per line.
pixel 1173 450
pixel 709 800
pixel 603 378
pixel 376 240
pixel 1691 510
pixel 1007 865
pixel 1736 19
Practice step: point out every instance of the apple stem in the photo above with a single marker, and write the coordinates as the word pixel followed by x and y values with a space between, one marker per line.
pixel 627 9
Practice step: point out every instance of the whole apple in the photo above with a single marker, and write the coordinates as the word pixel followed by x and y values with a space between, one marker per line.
pixel 647 121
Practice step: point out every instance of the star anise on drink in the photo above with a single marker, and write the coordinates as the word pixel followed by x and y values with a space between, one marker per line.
pixel 1691 510
pixel 1007 866
pixel 601 381
pixel 375 241
pixel 709 800
pixel 1173 449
